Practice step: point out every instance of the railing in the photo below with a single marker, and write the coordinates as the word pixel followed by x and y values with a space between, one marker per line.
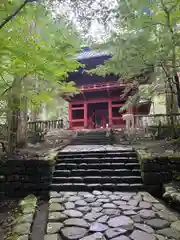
pixel 156 120
pixel 151 126
pixel 37 125
pixel 48 124
pixel 104 85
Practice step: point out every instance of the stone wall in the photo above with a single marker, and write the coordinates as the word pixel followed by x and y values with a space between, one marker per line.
pixel 172 194
pixel 157 170
pixel 20 177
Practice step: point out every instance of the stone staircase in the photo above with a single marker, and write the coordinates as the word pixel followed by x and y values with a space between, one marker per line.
pixel 92 138
pixel 97 170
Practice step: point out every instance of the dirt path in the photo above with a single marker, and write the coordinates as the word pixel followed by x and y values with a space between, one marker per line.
pixel 6 210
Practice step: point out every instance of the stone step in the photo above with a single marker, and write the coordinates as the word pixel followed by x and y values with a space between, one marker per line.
pixel 98 179
pixel 96 172
pixel 95 154
pixel 92 187
pixel 107 152
pixel 91 141
pixel 102 135
pixel 92 137
pixel 101 170
pixel 85 142
pixel 91 133
pixel 98 160
pixel 96 165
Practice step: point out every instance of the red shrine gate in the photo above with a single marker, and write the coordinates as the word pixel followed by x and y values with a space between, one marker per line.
pixel 98 103
pixel 98 106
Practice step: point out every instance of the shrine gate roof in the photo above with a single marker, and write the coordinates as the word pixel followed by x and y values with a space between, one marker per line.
pixel 90 59
pixel 91 54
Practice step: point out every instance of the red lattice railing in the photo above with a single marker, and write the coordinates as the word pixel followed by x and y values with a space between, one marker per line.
pixel 104 85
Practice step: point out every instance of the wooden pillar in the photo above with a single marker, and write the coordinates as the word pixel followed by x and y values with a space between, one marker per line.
pixel 132 121
pixel 70 114
pixel 110 111
pixel 85 115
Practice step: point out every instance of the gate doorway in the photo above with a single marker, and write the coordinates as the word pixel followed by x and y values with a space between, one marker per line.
pixel 97 115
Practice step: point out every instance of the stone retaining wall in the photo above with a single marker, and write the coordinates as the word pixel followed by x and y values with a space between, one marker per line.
pixel 157 170
pixel 19 177
pixel 172 194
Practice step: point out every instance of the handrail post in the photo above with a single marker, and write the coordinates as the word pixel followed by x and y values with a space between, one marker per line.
pixel 62 125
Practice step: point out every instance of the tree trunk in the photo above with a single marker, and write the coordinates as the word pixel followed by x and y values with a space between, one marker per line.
pixel 13 115
pixel 171 106
pixel 22 126
pixel 176 79
pixel 17 116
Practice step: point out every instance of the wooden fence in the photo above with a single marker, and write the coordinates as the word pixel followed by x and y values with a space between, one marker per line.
pixel 142 121
pixel 48 124
pixel 149 126
pixel 37 125
pixel 143 124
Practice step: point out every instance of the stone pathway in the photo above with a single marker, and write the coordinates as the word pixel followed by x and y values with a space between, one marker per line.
pixel 87 148
pixel 110 215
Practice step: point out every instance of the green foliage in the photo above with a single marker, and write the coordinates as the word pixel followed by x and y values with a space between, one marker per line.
pixel 87 16
pixel 38 49
pixel 146 34
pixel 61 110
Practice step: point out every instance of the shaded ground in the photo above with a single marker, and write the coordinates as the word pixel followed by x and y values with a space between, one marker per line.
pixel 101 215
pixel 40 219
pixel 158 147
pixel 155 146
pixel 7 208
pixel 54 139
pixel 109 215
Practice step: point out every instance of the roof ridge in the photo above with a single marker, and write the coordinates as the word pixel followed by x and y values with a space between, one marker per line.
pixel 91 54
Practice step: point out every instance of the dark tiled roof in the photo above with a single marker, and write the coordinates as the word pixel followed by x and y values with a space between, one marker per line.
pixel 91 54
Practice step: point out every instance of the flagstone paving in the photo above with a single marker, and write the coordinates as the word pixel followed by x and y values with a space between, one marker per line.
pixel 110 215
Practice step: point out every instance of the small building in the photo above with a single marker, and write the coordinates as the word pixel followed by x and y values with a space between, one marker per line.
pixel 100 98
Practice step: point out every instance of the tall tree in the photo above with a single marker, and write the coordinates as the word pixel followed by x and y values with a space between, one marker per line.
pixel 93 18
pixel 147 34
pixel 34 48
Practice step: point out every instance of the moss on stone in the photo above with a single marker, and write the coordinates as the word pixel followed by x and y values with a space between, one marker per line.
pixel 28 204
pixel 174 156
pixel 20 228
pixel 51 156
pixel 144 155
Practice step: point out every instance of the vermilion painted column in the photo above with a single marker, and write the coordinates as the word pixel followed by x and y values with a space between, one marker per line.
pixel 110 111
pixel 70 114
pixel 85 115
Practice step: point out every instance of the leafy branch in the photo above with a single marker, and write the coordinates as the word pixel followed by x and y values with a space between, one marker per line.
pixel 10 17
